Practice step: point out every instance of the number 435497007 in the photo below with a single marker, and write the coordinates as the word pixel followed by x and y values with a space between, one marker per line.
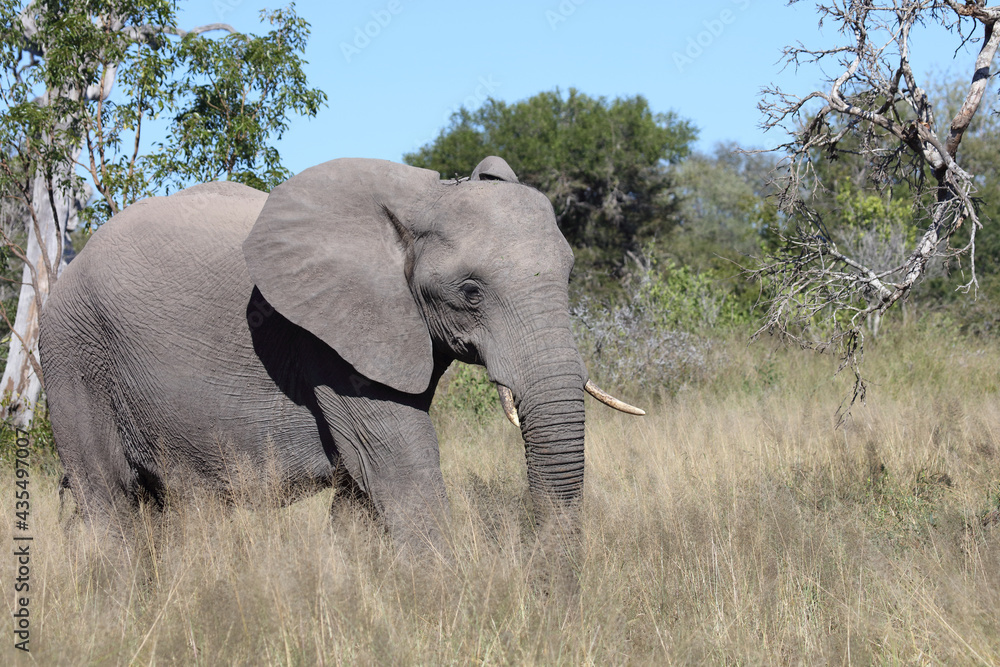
pixel 22 475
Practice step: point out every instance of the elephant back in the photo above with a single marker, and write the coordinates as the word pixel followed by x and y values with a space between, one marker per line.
pixel 163 263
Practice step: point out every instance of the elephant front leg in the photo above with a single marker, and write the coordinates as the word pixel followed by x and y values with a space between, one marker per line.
pixel 390 451
pixel 413 503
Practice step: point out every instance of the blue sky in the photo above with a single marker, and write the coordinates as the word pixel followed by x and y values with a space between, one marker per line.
pixel 395 69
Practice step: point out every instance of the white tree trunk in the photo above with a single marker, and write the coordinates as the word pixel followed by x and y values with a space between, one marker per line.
pixel 21 383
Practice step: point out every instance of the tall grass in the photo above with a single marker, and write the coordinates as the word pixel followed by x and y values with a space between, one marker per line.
pixel 734 524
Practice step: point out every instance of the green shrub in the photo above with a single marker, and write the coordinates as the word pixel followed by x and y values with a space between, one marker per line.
pixel 41 443
pixel 659 335
pixel 467 390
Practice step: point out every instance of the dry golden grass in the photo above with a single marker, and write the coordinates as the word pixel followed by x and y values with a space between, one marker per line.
pixel 733 525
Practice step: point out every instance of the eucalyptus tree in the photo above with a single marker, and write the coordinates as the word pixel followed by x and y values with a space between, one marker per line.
pixel 83 81
pixel 873 106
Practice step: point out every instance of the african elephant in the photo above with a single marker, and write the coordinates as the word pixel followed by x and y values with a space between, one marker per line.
pixel 307 330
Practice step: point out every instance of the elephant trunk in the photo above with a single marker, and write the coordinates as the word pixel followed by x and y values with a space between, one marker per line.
pixel 552 418
pixel 552 423
pixel 542 368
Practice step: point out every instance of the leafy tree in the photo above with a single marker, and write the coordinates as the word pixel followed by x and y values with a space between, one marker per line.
pixel 724 206
pixel 658 335
pixel 725 214
pixel 234 95
pixel 60 60
pixel 603 164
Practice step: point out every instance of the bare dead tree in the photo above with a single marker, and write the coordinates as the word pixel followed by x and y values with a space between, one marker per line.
pixel 875 100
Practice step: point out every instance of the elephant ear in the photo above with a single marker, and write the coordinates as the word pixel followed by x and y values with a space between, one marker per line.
pixel 493 168
pixel 332 253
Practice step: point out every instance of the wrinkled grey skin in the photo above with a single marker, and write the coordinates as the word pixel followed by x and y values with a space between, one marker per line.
pixel 304 332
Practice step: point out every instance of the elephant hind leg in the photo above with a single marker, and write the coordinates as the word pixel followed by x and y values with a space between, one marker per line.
pixel 92 454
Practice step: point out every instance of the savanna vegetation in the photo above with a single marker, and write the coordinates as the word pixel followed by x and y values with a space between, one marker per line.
pixel 756 516
pixel 734 524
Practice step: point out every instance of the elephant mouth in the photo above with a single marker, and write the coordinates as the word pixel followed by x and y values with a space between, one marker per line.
pixel 510 409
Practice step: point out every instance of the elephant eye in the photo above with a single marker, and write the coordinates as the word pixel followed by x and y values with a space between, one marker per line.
pixel 473 295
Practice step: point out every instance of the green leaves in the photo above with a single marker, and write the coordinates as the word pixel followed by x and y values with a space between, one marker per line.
pixel 724 206
pixel 602 163
pixel 235 93
pixel 92 75
pixel 657 336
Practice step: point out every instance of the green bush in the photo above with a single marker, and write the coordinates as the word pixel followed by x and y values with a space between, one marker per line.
pixel 659 335
pixel 467 390
pixel 41 446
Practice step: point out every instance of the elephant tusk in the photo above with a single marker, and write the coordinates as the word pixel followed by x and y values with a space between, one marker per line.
pixel 608 399
pixel 507 401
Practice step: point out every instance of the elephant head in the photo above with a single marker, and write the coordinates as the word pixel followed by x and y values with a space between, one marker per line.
pixel 401 273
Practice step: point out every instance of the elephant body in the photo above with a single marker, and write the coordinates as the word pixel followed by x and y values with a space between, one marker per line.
pixel 222 330
pixel 128 402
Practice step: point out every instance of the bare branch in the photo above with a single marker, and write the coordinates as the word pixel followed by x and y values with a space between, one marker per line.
pixel 876 106
pixel 150 32
pixel 979 80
